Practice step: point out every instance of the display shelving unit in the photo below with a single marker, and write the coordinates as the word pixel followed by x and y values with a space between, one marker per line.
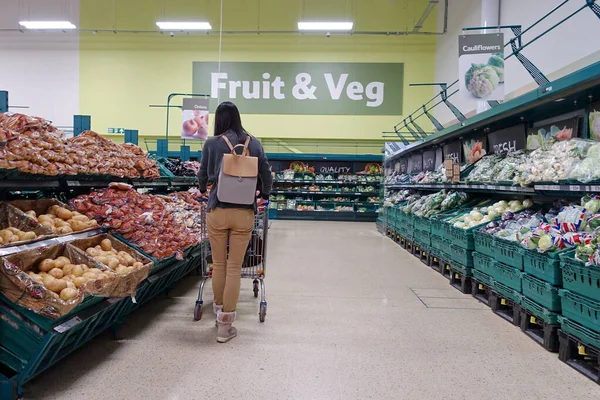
pixel 573 333
pixel 31 344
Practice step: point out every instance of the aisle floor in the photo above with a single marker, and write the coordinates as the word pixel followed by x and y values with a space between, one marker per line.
pixel 351 316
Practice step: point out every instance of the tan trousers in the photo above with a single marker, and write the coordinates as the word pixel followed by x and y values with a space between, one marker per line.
pixel 233 226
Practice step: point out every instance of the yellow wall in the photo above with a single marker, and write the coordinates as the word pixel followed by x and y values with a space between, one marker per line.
pixel 122 74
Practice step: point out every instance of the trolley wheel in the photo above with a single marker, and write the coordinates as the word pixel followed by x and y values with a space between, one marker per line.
pixel 262 313
pixel 255 289
pixel 198 312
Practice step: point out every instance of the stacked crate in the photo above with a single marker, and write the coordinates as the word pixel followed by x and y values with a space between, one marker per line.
pixel 460 257
pixel 483 260
pixel 580 320
pixel 541 305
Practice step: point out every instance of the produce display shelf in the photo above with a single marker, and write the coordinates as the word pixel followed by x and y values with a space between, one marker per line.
pixel 541 292
pixel 325 192
pixel 581 309
pixel 30 350
pixel 580 278
pixel 326 182
pixel 543 189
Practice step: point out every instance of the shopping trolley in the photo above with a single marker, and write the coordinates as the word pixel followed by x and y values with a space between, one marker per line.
pixel 254 266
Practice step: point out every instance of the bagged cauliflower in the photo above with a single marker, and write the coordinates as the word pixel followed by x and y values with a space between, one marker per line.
pixel 481 80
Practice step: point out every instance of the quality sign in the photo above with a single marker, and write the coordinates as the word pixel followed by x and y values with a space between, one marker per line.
pixel 304 88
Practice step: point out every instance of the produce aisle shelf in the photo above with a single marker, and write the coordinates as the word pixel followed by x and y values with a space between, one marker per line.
pixel 516 229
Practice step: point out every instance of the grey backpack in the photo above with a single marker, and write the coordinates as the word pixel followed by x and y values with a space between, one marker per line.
pixel 238 175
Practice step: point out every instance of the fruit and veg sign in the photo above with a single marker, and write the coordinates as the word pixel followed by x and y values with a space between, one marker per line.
pixel 195 118
pixel 304 87
pixel 481 67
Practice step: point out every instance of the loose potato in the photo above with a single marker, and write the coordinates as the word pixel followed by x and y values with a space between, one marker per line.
pixel 77 270
pixel 46 265
pixel 37 278
pixel 102 259
pixel 48 225
pixel 77 225
pixel 47 280
pixel 70 284
pixel 31 214
pixel 14 230
pixel 68 294
pixel 79 281
pixel 52 209
pixel 59 223
pixel 56 272
pixel 46 218
pixel 92 252
pixel 13 239
pixel 89 275
pixel 94 270
pixel 79 217
pixel 106 245
pixel 113 262
pixel 102 276
pixel 67 269
pixel 63 213
pixel 64 230
pixel 137 264
pixel 1 240
pixel 28 236
pixel 121 270
pixel 57 285
pixel 5 234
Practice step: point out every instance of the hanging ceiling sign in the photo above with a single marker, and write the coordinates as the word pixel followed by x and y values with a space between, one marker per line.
pixel 481 67
pixel 429 160
pixel 507 140
pixel 304 88
pixel 194 116
pixel 453 152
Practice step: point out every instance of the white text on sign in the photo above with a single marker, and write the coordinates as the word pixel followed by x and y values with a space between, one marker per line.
pixel 274 88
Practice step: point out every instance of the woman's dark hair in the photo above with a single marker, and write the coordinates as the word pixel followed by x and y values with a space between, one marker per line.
pixel 227 118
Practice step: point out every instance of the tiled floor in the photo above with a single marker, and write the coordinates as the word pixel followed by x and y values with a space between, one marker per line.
pixel 344 322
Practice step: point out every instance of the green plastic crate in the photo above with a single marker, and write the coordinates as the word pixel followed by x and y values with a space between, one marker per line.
pixel 422 237
pixel 460 255
pixel 507 292
pixel 581 309
pixel 507 275
pixel 484 243
pixel 483 263
pixel 579 278
pixel 539 311
pixel 462 237
pixel 463 270
pixel 582 333
pixel 422 223
pixel 483 278
pixel 440 227
pixel 508 253
pixel 545 266
pixel 541 292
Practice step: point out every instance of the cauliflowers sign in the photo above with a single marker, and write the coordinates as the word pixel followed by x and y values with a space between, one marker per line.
pixel 304 88
pixel 481 67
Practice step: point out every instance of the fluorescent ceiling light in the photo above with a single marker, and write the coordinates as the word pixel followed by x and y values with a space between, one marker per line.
pixel 183 26
pixel 47 25
pixel 325 26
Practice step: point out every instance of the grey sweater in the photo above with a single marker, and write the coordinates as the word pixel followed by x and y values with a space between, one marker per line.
pixel 212 155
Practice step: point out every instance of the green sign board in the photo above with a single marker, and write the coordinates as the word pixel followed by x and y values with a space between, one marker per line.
pixel 116 130
pixel 303 88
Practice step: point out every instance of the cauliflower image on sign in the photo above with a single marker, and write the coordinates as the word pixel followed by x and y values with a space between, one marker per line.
pixel 481 80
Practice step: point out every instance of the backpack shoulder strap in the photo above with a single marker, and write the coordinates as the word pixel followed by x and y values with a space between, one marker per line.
pixel 228 142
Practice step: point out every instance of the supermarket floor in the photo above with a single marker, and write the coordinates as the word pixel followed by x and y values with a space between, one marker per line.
pixel 351 316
